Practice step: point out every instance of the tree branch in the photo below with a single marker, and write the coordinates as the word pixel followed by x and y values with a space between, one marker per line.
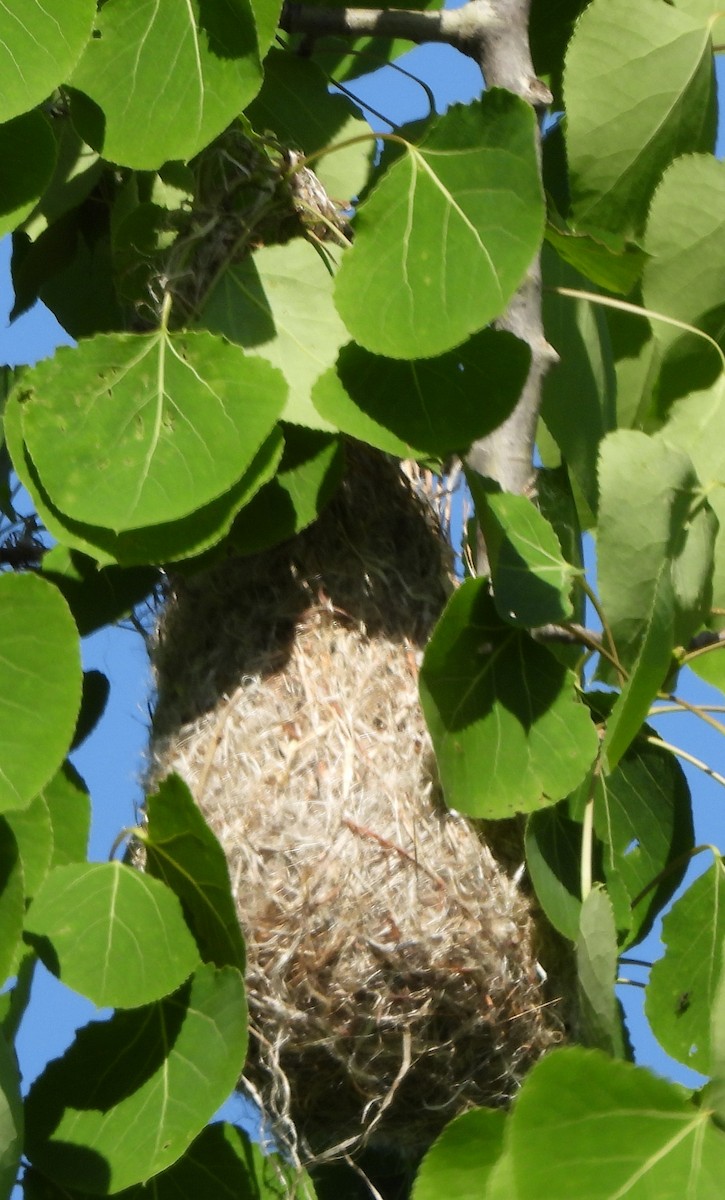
pixel 481 29
pixel 462 27
pixel 507 454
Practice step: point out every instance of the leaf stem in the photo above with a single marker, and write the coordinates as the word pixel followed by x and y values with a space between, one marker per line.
pixel 639 311
pixel 165 311
pixel 696 710
pixel 587 850
pixel 690 758
pixel 612 655
pixel 658 709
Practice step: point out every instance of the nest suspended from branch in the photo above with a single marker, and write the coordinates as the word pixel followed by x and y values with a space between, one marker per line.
pixel 393 975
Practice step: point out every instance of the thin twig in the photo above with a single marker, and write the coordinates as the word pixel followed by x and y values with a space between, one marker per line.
pixel 690 758
pixel 695 710
pixel 461 27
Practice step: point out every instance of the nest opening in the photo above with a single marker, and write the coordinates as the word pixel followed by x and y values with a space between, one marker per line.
pixel 393 962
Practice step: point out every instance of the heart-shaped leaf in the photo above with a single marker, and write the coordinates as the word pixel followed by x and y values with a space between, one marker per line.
pixel 168 77
pixel 174 1064
pixel 447 235
pixel 508 732
pixel 589 1125
pixel 111 933
pixel 153 426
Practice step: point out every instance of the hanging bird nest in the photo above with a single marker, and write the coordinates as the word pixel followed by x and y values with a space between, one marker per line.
pixel 393 962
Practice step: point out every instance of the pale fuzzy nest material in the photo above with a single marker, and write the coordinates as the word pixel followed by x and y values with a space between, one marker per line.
pixel 392 974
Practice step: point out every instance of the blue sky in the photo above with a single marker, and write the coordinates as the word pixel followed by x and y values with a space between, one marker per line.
pixel 112 761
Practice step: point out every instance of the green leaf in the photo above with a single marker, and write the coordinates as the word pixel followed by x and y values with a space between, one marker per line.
pixel 96 689
pixel 550 28
pixel 111 933
pixel 447 235
pixel 168 542
pixel 40 686
pixel 221 1163
pixel 609 266
pixel 266 18
pixel 39 46
pixel 647 675
pixel 211 71
pixel 174 1064
pixel 683 983
pixel 531 578
pixel 77 171
pixel 96 597
pixel 508 732
pixel 69 806
pixel 33 832
pixel 12 899
pixel 278 304
pixel 11 1119
pixel 553 853
pixel 716 1090
pixel 655 566
pixel 596 958
pixel 578 405
pixel 339 411
pixel 459 1163
pixel 70 268
pixel 15 1000
pixel 481 382
pixel 588 1125
pixel 638 87
pixel 696 425
pixel 27 159
pixel 685 238
pixel 310 469
pixel 710 12
pixel 557 503
pixel 153 426
pixel 636 361
pixel 182 851
pixel 640 544
pixel 643 817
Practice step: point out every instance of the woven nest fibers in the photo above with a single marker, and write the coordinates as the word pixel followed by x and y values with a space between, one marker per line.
pixel 393 977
